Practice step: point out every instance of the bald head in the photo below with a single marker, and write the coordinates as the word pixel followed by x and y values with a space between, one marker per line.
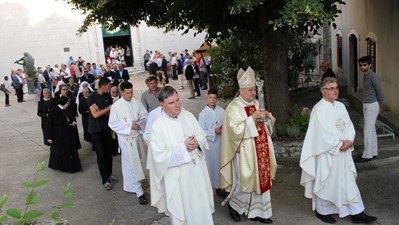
pixel 324 65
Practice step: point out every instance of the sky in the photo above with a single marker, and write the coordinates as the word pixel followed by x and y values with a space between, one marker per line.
pixel 39 10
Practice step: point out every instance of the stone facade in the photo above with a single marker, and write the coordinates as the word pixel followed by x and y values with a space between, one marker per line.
pixel 359 22
pixel 47 29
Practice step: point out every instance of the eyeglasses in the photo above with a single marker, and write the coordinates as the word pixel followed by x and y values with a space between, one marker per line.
pixel 363 65
pixel 332 89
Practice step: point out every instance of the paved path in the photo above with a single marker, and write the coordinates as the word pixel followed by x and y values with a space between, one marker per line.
pixel 21 147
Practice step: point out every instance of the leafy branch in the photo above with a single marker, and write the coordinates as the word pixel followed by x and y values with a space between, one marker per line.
pixel 25 216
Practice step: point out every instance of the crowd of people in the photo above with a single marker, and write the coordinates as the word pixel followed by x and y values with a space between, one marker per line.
pixel 194 68
pixel 226 151
pixel 118 55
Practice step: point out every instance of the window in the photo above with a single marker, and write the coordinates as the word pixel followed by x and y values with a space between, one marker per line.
pixel 339 50
pixel 371 51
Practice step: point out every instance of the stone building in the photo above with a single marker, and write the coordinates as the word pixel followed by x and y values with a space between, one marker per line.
pixel 369 27
pixel 47 29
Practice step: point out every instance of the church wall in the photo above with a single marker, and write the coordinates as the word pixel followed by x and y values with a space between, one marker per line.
pixel 44 28
pixel 377 19
pixel 42 33
pixel 150 38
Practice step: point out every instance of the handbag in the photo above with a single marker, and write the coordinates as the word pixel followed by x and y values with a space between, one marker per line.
pixel 3 88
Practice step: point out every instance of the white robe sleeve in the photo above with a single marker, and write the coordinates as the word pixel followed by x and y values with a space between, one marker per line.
pixel 250 129
pixel 336 149
pixel 152 116
pixel 119 125
pixel 143 119
pixel 206 122
pixel 179 156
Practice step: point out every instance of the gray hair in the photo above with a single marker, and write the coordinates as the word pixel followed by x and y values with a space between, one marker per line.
pixel 46 90
pixel 165 93
pixel 114 87
pixel 326 81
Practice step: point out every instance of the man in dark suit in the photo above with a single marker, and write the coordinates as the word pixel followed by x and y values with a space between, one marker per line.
pixel 47 77
pixel 17 84
pixel 88 77
pixel 110 74
pixel 327 71
pixel 120 75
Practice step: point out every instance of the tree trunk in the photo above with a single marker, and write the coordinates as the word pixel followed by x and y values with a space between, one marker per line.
pixel 275 45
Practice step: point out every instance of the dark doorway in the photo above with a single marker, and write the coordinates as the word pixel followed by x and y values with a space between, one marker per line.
pixel 353 65
pixel 120 38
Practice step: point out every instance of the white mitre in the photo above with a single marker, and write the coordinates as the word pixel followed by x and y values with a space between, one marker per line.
pixel 246 79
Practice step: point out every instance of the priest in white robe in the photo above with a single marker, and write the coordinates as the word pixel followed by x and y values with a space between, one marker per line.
pixel 180 185
pixel 247 163
pixel 210 119
pixel 152 116
pixel 328 171
pixel 127 118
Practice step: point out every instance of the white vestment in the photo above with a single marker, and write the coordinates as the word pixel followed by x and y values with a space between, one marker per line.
pixel 152 116
pixel 180 185
pixel 328 174
pixel 209 119
pixel 123 114
pixel 239 161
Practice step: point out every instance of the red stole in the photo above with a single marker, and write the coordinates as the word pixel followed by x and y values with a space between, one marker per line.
pixel 262 152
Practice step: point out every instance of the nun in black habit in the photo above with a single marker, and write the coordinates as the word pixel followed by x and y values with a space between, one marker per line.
pixel 60 134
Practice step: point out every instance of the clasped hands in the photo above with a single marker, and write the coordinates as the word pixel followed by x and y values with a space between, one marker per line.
pixel 136 126
pixel 260 114
pixel 346 144
pixel 218 130
pixel 191 143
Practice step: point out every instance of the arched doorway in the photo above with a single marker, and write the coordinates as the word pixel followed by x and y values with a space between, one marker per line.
pixel 353 67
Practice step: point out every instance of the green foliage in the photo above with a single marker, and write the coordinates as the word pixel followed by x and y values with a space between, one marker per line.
pixel 298 123
pixel 113 222
pixel 31 198
pixel 281 130
pixel 300 117
pixel 237 51
pixel 214 17
pixel 255 18
pixel 243 50
pixel 25 216
pixel 3 201
pixel 299 57
pixel 14 213
pixel 301 13
pixel 67 194
pixel 240 6
pixel 293 130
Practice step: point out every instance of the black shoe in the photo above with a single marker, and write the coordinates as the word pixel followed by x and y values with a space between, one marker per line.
pixel 234 214
pixel 262 220
pixel 113 179
pixel 191 97
pixel 222 193
pixel 361 159
pixel 363 218
pixel 376 156
pixel 325 218
pixel 197 95
pixel 142 200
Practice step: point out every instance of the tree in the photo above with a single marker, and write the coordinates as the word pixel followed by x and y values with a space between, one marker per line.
pixel 243 50
pixel 268 19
